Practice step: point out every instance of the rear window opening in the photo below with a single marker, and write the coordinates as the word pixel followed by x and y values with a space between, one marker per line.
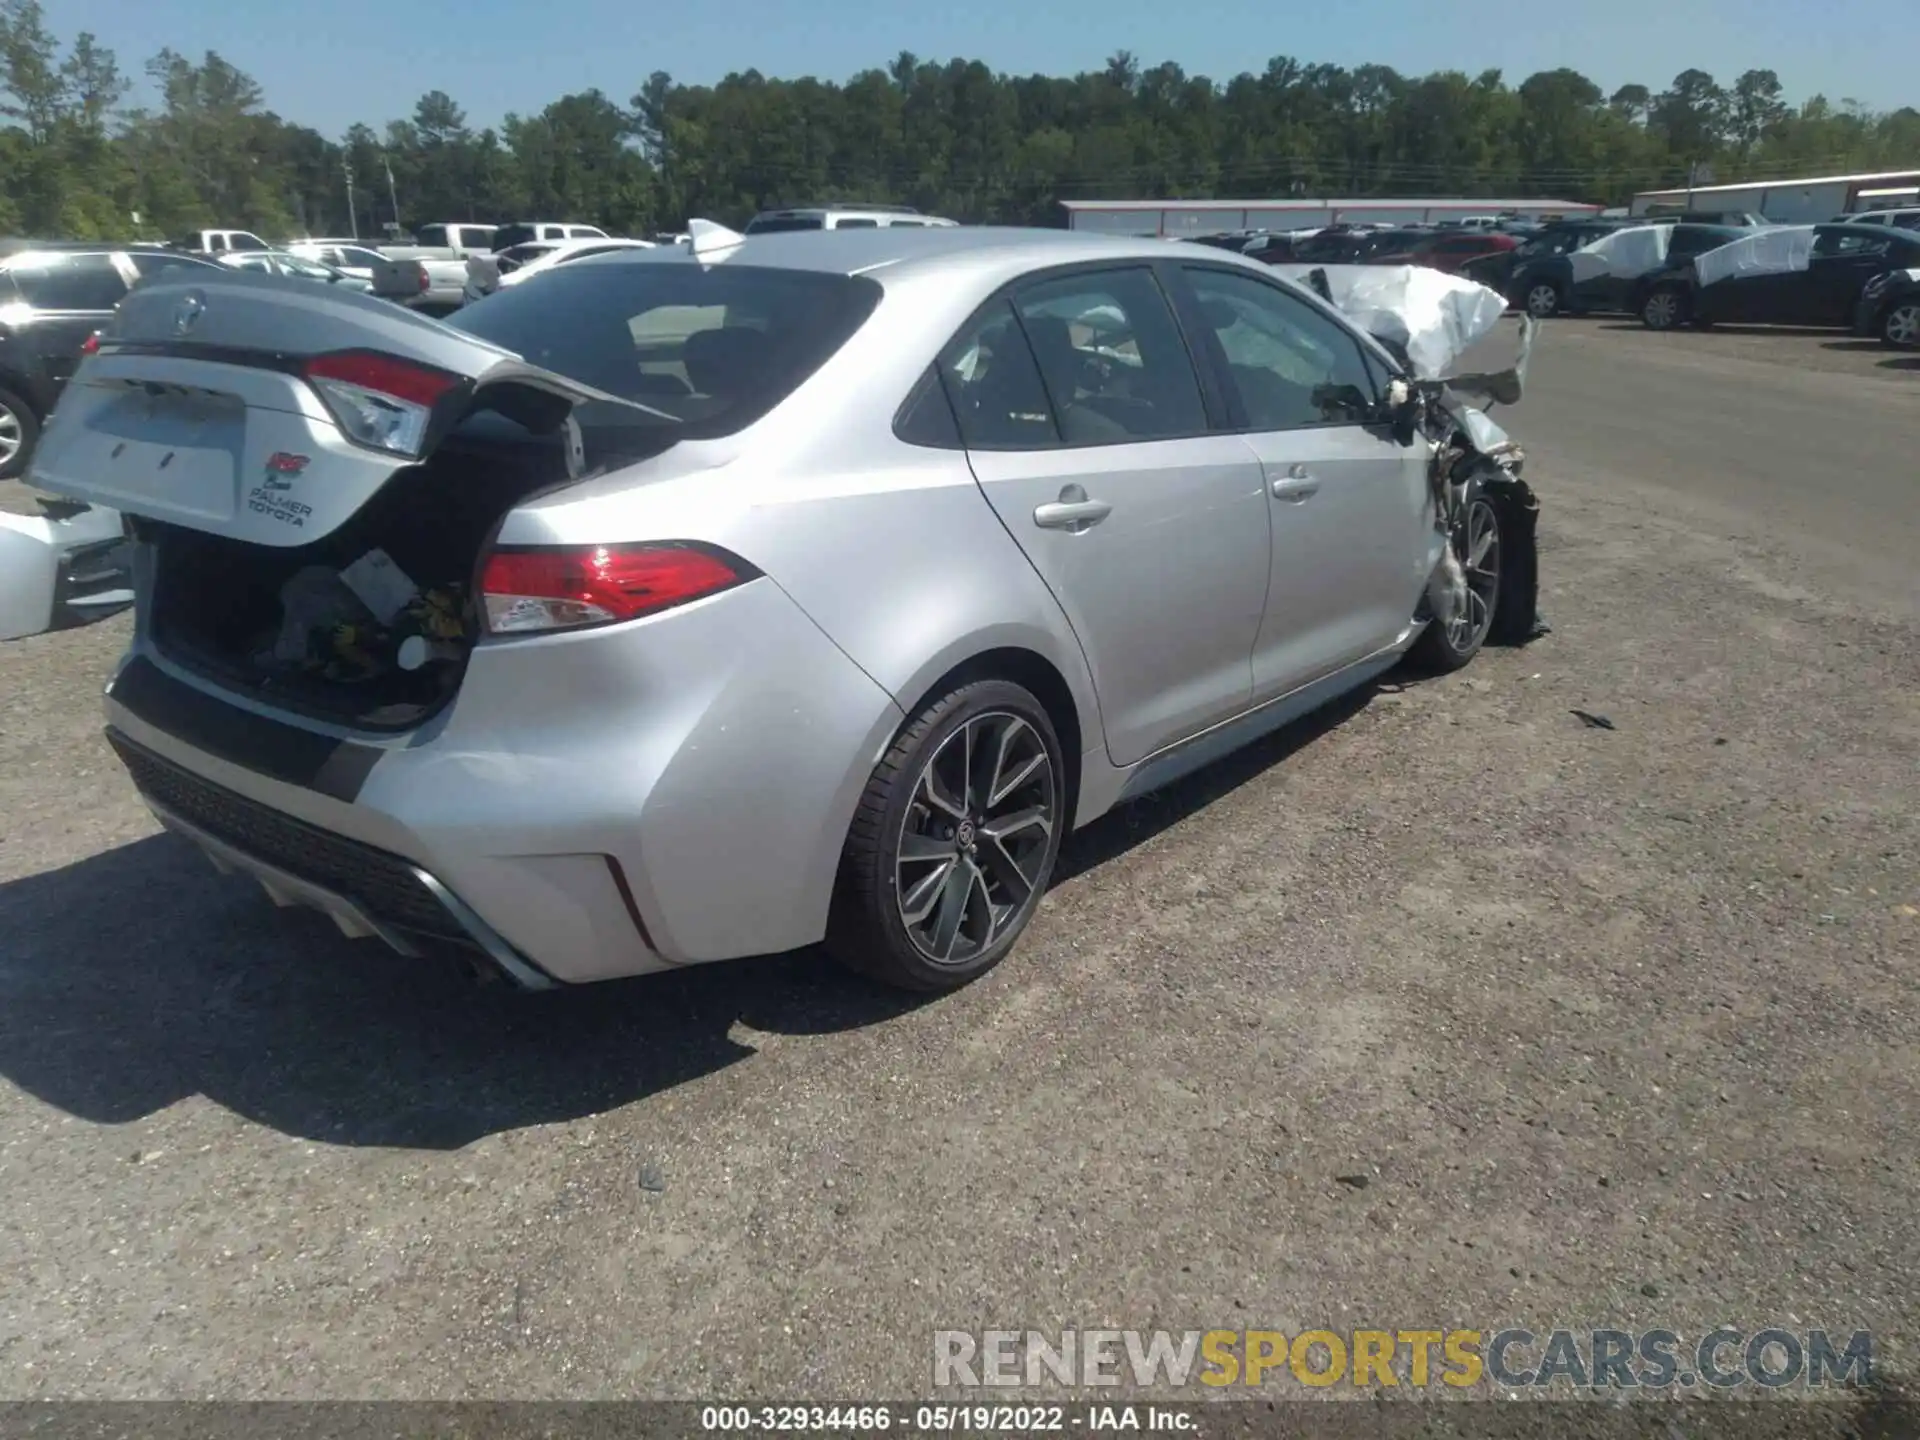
pixel 236 613
pixel 710 349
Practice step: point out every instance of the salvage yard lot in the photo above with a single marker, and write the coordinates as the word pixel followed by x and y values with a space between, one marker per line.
pixel 1616 1022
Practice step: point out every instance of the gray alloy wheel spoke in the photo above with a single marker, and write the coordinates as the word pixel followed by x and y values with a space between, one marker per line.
pixel 917 902
pixel 976 837
pixel 1001 785
pixel 956 898
pixel 1008 826
pixel 10 434
pixel 1017 883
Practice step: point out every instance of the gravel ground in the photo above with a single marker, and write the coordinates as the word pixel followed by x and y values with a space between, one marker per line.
pixel 1616 1023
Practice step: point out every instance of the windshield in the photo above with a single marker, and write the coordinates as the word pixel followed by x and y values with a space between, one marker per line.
pixel 714 348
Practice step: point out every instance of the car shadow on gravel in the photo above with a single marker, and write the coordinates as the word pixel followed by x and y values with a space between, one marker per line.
pixel 1894 360
pixel 138 977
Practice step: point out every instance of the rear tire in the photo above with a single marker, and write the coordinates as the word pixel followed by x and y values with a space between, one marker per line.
pixel 19 433
pixel 954 841
pixel 1900 325
pixel 1445 647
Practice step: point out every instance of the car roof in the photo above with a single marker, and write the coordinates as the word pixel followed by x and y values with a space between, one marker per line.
pixel 959 249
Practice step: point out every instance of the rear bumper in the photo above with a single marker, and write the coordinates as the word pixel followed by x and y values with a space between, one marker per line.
pixel 606 803
pixel 61 571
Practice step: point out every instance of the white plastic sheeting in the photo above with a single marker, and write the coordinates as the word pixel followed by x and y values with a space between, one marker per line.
pixel 1627 254
pixel 1435 318
pixel 1769 250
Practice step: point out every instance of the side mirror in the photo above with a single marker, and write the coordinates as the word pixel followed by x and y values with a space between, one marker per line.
pixel 1402 407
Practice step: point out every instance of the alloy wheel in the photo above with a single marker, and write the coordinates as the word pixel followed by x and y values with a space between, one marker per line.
pixel 1902 325
pixel 1542 301
pixel 12 434
pixel 1662 311
pixel 1476 543
pixel 976 836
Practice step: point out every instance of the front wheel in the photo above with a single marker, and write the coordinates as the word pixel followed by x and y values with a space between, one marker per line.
pixel 1900 326
pixel 18 432
pixel 1542 300
pixel 954 841
pixel 1663 310
pixel 1469 576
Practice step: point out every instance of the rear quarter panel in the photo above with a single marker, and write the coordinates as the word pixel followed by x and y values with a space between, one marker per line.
pixel 890 548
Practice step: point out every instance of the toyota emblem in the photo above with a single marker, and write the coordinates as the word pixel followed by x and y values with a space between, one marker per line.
pixel 187 313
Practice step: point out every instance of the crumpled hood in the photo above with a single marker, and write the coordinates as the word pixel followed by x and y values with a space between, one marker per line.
pixel 1431 316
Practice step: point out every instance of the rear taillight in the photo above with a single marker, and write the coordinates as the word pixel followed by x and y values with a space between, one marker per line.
pixel 380 401
pixel 424 283
pixel 91 345
pixel 562 587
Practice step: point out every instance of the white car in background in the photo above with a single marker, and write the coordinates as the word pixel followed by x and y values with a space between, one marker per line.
pixel 349 257
pixel 488 273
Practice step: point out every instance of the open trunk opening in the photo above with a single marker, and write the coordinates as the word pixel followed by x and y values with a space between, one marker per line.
pixel 282 624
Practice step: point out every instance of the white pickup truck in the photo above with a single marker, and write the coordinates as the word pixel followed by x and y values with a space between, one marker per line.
pixel 433 277
pixel 430 273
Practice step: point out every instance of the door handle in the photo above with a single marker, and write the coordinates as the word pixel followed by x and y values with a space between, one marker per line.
pixel 1295 486
pixel 1073 515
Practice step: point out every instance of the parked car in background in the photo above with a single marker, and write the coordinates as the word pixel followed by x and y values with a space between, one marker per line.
pixel 1906 217
pixel 217 242
pixel 52 298
pixel 1453 253
pixel 1889 309
pixel 428 274
pixel 488 273
pixel 1629 293
pixel 528 232
pixel 1840 261
pixel 282 262
pixel 1369 246
pixel 1535 275
pixel 349 257
pixel 865 571
pixel 840 217
pixel 1276 248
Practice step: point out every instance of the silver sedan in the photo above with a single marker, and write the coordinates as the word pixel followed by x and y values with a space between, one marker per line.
pixel 729 597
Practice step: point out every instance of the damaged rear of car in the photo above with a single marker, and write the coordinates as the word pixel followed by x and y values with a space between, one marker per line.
pixel 319 557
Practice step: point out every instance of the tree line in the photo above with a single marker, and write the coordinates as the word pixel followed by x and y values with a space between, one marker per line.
pixel 79 160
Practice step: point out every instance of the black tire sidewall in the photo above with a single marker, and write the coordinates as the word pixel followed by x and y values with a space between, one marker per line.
pixel 902 962
pixel 29 434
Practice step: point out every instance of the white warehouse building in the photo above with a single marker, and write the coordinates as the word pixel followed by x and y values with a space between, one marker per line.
pixel 1209 217
pixel 1790 202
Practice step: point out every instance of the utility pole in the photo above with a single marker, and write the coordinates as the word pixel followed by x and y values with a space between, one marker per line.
pixel 392 194
pixel 353 221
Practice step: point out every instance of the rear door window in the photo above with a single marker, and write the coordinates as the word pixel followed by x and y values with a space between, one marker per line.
pixel 68 281
pixel 709 350
pixel 773 224
pixel 994 385
pixel 1114 362
pixel 432 237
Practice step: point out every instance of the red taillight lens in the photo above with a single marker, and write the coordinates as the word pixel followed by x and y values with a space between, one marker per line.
pixel 91 345
pixel 559 588
pixel 424 283
pixel 380 400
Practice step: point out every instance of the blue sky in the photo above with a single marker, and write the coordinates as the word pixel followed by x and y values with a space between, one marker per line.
pixel 329 64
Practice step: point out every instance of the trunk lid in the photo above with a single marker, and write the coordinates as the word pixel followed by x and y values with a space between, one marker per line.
pixel 272 410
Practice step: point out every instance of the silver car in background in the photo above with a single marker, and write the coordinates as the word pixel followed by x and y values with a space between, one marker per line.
pixel 718 600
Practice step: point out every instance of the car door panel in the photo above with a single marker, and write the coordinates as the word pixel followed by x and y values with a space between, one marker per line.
pixel 1165 590
pixel 1350 511
pixel 1086 431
